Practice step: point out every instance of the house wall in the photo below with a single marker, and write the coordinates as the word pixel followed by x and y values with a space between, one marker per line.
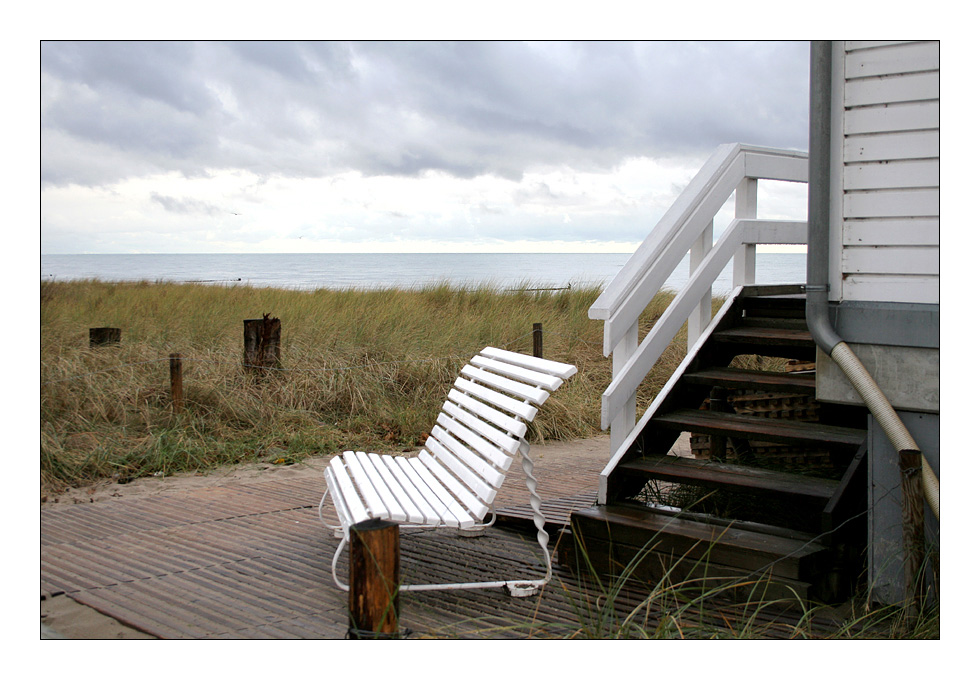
pixel 884 264
pixel 886 143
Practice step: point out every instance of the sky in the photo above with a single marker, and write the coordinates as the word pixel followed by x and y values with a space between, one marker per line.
pixel 383 146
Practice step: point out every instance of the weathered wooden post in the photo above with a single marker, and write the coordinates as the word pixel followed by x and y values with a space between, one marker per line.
pixel 176 383
pixel 262 343
pixel 913 531
pixel 374 574
pixel 537 335
pixel 100 337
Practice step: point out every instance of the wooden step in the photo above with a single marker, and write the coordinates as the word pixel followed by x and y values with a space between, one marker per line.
pixel 777 337
pixel 633 528
pixel 786 306
pixel 763 381
pixel 754 427
pixel 813 491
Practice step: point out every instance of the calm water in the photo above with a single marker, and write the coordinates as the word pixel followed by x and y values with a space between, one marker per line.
pixel 311 271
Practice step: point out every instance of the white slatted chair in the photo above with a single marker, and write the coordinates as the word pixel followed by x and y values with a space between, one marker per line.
pixel 454 479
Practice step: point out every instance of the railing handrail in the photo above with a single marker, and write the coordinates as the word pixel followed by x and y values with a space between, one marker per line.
pixel 687 227
pixel 644 273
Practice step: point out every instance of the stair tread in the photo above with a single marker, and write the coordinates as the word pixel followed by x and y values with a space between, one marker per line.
pixel 714 474
pixel 737 547
pixel 803 383
pixel 765 336
pixel 766 429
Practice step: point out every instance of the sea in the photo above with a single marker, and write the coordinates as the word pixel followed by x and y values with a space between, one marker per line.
pixel 390 270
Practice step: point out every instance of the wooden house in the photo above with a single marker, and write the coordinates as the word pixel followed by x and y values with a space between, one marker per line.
pixel 796 397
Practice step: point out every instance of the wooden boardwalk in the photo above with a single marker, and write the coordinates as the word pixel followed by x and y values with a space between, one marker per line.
pixel 252 560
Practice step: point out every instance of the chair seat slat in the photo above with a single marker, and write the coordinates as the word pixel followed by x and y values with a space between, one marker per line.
pixel 535 395
pixel 503 441
pixel 358 512
pixel 525 411
pixel 492 415
pixel 365 485
pixel 394 509
pixel 542 380
pixel 429 514
pixel 474 441
pixel 436 506
pixel 564 371
pixel 453 514
pixel 481 467
pixel 397 488
pixel 474 506
pixel 449 459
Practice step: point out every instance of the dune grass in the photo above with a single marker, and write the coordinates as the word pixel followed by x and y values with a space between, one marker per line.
pixel 360 368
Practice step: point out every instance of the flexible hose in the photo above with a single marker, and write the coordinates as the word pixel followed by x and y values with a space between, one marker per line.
pixel 883 412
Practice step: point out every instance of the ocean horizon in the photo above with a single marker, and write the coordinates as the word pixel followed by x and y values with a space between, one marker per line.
pixel 311 271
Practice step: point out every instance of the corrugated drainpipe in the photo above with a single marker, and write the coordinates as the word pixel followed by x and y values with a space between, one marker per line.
pixel 818 276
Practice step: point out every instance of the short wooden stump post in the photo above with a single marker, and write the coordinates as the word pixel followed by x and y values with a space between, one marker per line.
pixel 176 383
pixel 537 337
pixel 262 344
pixel 100 337
pixel 374 575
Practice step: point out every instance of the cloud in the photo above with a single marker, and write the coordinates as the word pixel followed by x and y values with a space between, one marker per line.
pixel 383 141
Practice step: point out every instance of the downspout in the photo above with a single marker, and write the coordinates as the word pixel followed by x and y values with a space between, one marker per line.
pixel 818 275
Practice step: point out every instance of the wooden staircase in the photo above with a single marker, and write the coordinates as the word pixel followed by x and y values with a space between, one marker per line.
pixel 775 492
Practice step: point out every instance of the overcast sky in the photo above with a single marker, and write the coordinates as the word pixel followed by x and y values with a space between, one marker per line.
pixel 381 146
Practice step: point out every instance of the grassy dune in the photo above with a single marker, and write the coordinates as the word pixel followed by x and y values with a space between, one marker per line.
pixel 361 368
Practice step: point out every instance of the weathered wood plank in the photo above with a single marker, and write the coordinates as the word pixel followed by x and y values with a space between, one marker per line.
pixel 892 175
pixel 752 427
pixel 920 231
pixel 801 383
pixel 891 146
pixel 893 118
pixel 892 59
pixel 722 475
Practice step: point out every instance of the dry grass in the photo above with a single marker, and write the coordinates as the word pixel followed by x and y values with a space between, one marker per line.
pixel 361 368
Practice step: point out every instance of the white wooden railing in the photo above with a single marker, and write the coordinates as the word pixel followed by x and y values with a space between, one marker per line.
pixel 688 227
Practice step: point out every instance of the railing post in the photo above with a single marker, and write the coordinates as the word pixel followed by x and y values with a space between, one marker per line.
pixel 701 316
pixel 623 422
pixel 746 207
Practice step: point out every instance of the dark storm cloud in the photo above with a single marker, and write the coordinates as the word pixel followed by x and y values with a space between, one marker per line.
pixel 115 110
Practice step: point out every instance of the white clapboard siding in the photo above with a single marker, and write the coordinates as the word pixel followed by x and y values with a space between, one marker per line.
pixel 896 146
pixel 892 232
pixel 888 208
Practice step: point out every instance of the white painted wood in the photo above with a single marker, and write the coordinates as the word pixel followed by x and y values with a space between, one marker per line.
pixel 892 90
pixel 904 203
pixel 412 513
pixel 436 445
pixel 891 260
pixel 922 289
pixel 355 506
pixel 853 45
pixel 892 146
pixel 892 175
pixel 783 232
pixel 786 166
pixel 746 208
pixel 474 507
pixel 340 505
pixel 372 495
pixel 670 322
pixel 701 316
pixel 620 320
pixel 893 118
pixel 621 420
pixel 453 514
pixel 892 59
pixel 534 395
pixel 451 432
pixel 892 232
pixel 504 443
pixel 543 380
pixel 564 371
pixel 419 500
pixel 508 424
pixel 525 411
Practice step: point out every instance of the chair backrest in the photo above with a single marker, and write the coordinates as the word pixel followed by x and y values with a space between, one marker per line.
pixel 484 420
